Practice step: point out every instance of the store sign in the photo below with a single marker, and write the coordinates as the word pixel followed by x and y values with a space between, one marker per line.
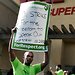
pixel 32 24
pixel 63 11
pixel 48 1
pixel 22 1
pixel 57 1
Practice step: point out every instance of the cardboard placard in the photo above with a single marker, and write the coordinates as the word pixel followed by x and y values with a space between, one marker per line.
pixel 32 23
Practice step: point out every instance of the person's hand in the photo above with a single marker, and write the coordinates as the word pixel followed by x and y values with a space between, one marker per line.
pixel 14 30
pixel 46 42
pixel 50 68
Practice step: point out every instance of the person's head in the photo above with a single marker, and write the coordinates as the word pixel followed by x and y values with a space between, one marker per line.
pixel 42 0
pixel 28 58
pixel 58 67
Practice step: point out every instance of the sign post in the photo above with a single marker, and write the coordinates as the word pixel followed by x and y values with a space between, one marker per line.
pixel 32 23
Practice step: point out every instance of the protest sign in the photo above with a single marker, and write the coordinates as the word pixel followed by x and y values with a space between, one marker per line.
pixel 32 26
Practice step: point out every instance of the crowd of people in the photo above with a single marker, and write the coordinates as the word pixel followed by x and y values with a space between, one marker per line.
pixel 25 68
pixel 60 71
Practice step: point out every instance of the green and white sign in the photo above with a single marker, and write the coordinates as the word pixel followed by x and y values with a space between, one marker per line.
pixel 32 23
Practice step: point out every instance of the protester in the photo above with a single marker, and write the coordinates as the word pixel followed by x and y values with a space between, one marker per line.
pixel 59 70
pixel 25 68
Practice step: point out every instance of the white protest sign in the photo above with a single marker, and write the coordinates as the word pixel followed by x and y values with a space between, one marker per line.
pixel 32 24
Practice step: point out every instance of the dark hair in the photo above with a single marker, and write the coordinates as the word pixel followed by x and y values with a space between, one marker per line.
pixel 59 66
